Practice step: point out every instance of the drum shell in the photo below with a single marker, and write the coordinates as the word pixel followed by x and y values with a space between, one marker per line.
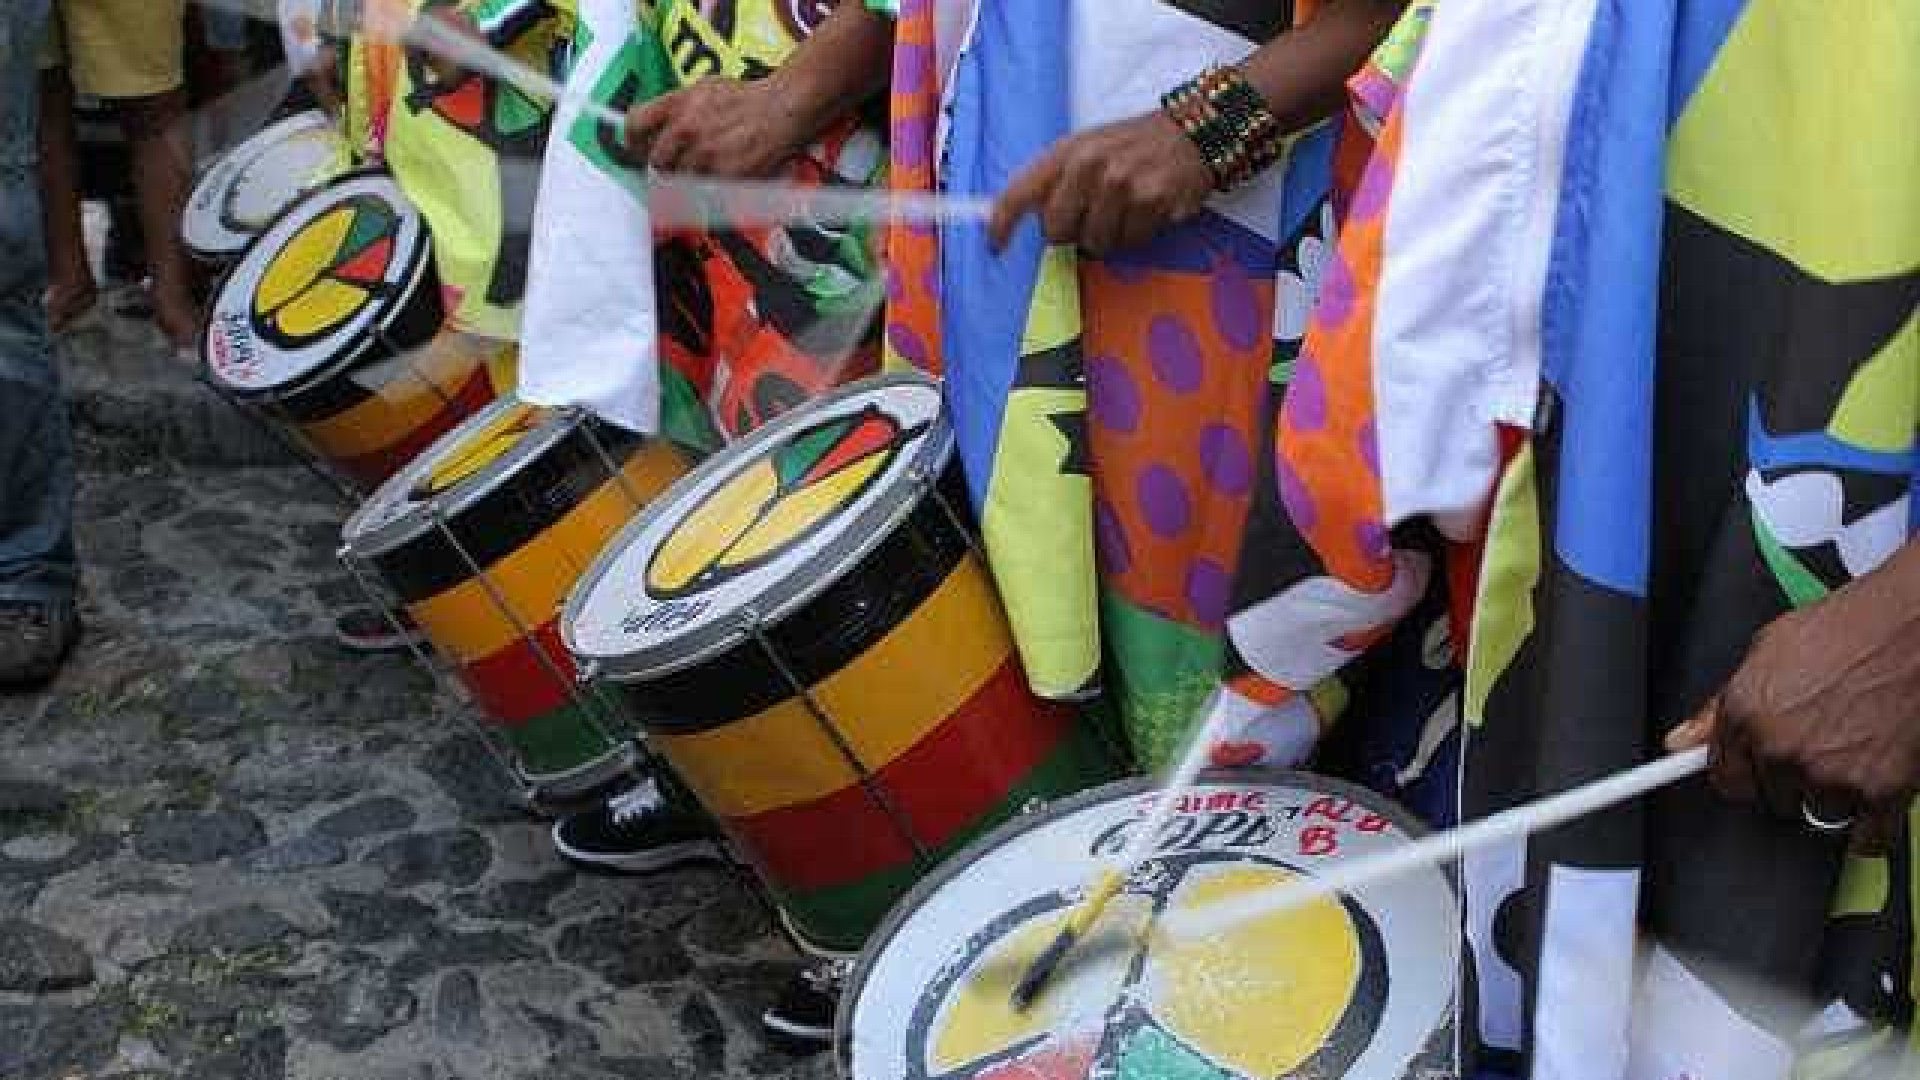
pixel 532 535
pixel 909 654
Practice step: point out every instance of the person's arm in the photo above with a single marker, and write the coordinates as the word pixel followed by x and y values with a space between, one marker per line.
pixel 1118 185
pixel 1822 718
pixel 748 128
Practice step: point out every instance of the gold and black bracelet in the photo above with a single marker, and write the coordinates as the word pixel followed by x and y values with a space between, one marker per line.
pixel 1228 121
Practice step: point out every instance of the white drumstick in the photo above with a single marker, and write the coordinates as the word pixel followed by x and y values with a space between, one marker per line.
pixel 1439 848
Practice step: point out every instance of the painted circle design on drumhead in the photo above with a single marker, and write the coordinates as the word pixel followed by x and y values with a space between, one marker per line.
pixel 772 518
pixel 315 287
pixel 1360 986
pixel 460 465
pixel 256 180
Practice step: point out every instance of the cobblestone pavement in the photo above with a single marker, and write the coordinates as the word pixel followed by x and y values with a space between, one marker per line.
pixel 229 849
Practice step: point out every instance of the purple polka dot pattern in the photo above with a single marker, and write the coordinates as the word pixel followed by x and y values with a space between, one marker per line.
pixel 1175 354
pixel 907 344
pixel 1370 198
pixel 1164 501
pixel 1369 439
pixel 1236 307
pixel 909 150
pixel 1110 539
pixel 1300 508
pixel 1371 536
pixel 895 287
pixel 1209 591
pixel 930 281
pixel 1114 398
pixel 1224 460
pixel 1336 293
pixel 1305 405
pixel 912 61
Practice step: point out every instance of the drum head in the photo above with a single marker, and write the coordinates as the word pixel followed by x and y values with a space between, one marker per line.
pixel 317 288
pixel 461 466
pixel 253 182
pixel 760 528
pixel 1360 987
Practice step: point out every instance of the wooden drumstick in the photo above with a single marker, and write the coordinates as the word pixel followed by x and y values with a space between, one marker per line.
pixel 1519 821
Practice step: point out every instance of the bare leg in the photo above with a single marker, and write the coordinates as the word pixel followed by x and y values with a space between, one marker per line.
pixel 71 289
pixel 156 130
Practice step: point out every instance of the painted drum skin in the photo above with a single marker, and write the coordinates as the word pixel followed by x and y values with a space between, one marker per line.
pixel 834 530
pixel 530 496
pixel 1360 986
pixel 330 324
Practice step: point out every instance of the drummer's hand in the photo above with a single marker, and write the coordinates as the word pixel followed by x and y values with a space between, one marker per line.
pixel 717 127
pixel 1824 713
pixel 1109 188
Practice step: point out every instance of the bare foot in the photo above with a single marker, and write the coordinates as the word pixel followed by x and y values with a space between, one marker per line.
pixel 67 304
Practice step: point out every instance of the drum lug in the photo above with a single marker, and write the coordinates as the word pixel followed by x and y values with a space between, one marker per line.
pixel 1032 806
pixel 586 672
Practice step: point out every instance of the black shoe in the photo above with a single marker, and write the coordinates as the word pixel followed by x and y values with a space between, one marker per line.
pixel 636 832
pixel 803 1017
pixel 35 639
pixel 370 630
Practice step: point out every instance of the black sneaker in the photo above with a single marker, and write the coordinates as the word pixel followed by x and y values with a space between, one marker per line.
pixel 370 630
pixel 636 832
pixel 803 1017
pixel 35 639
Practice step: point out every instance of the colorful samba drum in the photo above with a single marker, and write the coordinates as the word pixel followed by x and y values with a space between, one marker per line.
pixel 330 325
pixel 805 632
pixel 253 182
pixel 1360 986
pixel 482 537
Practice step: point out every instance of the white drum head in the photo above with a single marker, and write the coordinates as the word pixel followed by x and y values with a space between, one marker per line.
pixel 256 180
pixel 317 287
pixel 762 526
pixel 1358 987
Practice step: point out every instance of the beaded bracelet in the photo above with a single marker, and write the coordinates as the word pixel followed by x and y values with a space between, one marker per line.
pixel 1228 121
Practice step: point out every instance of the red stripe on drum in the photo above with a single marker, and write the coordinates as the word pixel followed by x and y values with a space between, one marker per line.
pixel 514 685
pixel 963 768
pixel 373 469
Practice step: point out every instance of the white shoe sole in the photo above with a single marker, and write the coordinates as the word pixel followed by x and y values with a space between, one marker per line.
pixel 780 1025
pixel 641 862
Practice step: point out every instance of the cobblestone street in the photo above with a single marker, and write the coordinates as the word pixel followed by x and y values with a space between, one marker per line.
pixel 229 848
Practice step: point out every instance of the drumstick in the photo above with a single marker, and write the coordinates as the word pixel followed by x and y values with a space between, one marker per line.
pixel 1522 820
pixel 1108 883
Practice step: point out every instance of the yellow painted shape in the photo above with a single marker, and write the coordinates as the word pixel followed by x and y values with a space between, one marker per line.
pixel 977 1019
pixel 481 449
pixel 793 516
pixel 1794 138
pixel 403 405
pixel 1863 889
pixel 1053 317
pixel 466 624
pixel 1509 569
pixel 884 702
pixel 709 529
pixel 1262 997
pixel 323 307
pixel 306 255
pixel 1878 409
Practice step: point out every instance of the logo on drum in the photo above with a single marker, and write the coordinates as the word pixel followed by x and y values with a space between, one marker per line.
pixel 329 271
pixel 231 348
pixel 1299 993
pixel 666 618
pixel 762 513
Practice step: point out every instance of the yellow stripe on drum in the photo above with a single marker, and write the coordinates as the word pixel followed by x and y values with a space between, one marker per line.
pixel 885 702
pixel 466 623
pixel 412 398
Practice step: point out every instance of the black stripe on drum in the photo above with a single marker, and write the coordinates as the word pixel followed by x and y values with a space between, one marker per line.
pixel 833 630
pixel 509 517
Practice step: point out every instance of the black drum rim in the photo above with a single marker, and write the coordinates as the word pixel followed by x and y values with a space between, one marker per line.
pixel 805 582
pixel 962 860
pixel 420 264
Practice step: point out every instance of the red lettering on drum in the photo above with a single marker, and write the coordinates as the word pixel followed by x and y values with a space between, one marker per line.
pixel 1340 810
pixel 1372 823
pixel 1319 840
pixel 1220 800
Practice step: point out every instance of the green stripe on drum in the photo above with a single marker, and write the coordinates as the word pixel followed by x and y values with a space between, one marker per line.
pixel 557 743
pixel 839 919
